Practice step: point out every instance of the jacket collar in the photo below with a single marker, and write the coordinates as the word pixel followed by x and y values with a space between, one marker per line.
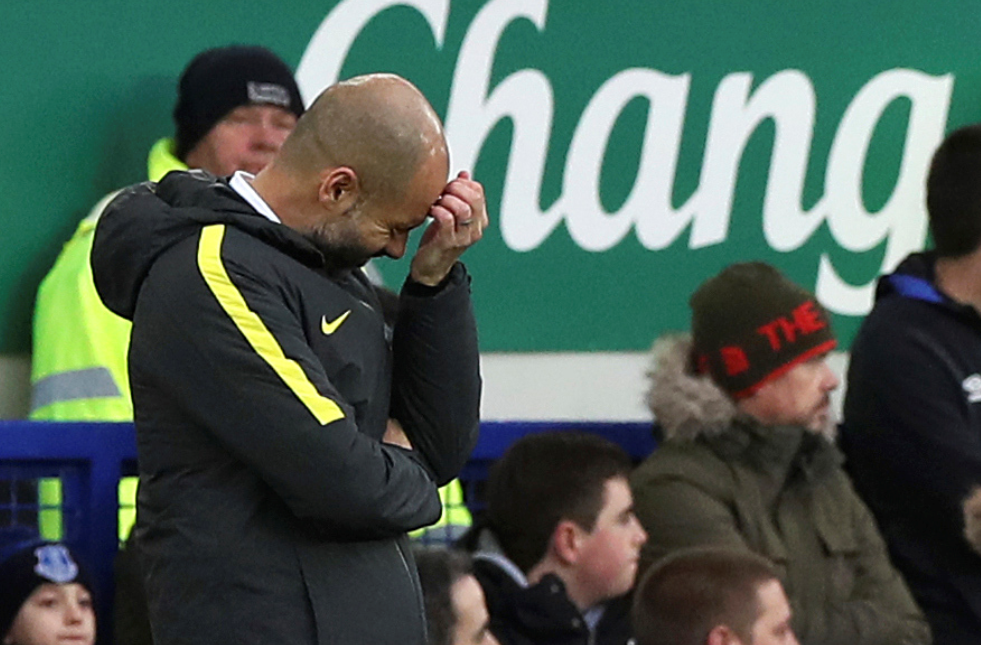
pixel 785 455
pixel 915 279
pixel 145 220
pixel 489 549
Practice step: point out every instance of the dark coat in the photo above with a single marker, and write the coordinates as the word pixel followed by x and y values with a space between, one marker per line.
pixel 722 479
pixel 912 437
pixel 269 511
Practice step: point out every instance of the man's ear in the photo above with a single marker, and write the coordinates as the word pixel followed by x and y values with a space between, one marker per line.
pixel 339 188
pixel 722 635
pixel 566 539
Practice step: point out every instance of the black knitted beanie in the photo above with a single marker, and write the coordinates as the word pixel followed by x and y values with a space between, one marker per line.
pixel 219 80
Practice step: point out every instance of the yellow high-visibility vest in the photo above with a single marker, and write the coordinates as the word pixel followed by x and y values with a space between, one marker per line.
pixel 454 521
pixel 78 367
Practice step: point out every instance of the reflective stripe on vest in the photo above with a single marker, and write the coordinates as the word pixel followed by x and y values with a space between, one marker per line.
pixel 92 383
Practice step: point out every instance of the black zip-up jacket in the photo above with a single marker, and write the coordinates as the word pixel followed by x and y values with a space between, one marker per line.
pixel 269 511
pixel 912 439
pixel 542 613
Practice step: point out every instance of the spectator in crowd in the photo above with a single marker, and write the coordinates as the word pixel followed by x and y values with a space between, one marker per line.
pixel 747 461
pixel 560 547
pixel 456 612
pixel 912 413
pixel 235 106
pixel 712 596
pixel 45 597
pixel 270 508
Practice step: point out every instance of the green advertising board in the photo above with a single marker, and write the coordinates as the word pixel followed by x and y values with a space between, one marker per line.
pixel 629 149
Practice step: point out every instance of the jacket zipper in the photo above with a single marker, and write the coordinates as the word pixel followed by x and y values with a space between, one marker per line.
pixel 420 608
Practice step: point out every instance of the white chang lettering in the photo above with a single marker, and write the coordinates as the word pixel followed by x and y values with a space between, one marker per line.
pixel 787 99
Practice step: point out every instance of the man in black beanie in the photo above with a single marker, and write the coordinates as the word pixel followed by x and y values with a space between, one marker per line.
pixel 747 462
pixel 235 107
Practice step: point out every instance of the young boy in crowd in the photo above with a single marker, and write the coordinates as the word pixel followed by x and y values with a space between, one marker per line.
pixel 45 598
pixel 712 596
pixel 561 544
pixel 456 612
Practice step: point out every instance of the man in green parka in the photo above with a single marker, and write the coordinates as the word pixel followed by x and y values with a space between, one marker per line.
pixel 748 461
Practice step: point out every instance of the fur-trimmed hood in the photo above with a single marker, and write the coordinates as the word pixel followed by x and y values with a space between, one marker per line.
pixel 686 405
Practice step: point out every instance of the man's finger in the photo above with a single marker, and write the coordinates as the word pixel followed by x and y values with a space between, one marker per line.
pixel 450 222
pixel 468 191
pixel 443 216
pixel 460 208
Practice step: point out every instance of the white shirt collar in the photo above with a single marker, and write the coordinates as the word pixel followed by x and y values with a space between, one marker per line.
pixel 241 183
pixel 593 615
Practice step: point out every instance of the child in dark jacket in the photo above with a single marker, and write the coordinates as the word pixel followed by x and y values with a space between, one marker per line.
pixel 560 547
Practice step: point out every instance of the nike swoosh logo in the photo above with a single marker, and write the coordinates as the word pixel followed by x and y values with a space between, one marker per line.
pixel 330 327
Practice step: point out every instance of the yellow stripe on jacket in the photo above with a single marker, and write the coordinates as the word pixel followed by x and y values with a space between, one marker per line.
pixel 255 331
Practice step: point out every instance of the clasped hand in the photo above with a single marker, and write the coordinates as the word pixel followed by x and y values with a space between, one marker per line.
pixel 459 219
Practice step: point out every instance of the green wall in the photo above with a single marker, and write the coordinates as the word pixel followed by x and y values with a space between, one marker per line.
pixel 796 133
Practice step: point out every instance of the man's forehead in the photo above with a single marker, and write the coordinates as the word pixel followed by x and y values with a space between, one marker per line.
pixel 616 494
pixel 820 358
pixel 773 600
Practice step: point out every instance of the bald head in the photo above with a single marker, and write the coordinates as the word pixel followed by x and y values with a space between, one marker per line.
pixel 379 125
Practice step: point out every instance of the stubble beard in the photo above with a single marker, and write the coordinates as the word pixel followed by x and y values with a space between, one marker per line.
pixel 825 421
pixel 342 250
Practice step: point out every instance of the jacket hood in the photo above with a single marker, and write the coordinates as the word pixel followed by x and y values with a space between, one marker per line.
pixel 488 549
pixel 917 266
pixel 145 220
pixel 686 405
pixel 916 279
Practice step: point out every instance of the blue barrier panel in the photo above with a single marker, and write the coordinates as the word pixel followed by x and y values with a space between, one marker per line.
pixel 90 458
pixel 637 438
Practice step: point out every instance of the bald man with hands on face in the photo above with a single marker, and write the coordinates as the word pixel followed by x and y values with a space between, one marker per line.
pixel 287 439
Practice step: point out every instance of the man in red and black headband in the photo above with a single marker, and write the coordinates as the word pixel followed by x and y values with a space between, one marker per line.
pixel 747 461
